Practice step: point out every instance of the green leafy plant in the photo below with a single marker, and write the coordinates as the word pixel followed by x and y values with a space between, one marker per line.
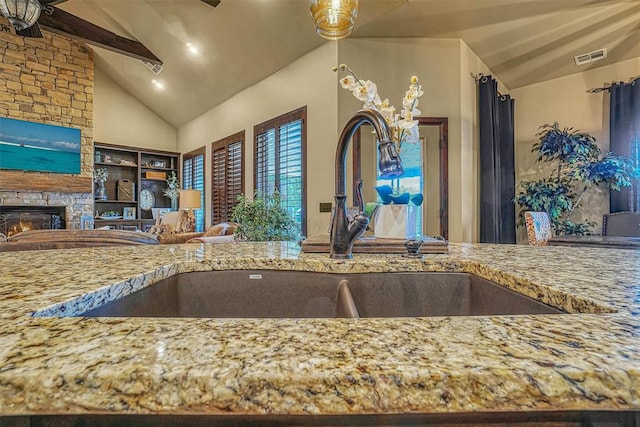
pixel 263 219
pixel 172 189
pixel 578 165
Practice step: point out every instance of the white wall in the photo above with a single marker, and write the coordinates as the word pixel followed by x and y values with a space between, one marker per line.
pixel 121 119
pixel 308 81
pixel 390 63
pixel 565 100
pixel 444 68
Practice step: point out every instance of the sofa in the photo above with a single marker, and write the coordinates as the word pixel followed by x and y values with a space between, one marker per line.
pixel 173 228
pixel 64 239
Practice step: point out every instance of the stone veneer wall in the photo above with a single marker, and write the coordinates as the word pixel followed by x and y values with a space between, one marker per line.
pixel 48 80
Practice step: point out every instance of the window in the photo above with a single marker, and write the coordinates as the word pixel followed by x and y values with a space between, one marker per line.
pixel 280 161
pixel 193 179
pixel 227 172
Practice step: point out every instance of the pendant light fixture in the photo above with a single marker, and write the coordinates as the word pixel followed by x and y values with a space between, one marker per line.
pixel 334 19
pixel 20 13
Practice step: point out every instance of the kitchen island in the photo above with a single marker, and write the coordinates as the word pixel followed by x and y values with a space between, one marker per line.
pixel 585 361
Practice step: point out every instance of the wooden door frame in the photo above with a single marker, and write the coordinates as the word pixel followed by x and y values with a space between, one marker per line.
pixel 443 144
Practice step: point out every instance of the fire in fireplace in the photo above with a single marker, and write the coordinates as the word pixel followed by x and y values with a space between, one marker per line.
pixel 14 219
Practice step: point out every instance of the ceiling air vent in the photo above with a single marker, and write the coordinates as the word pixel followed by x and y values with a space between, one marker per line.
pixel 155 69
pixel 596 55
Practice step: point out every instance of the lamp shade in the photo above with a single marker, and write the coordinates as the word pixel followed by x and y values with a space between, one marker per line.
pixel 334 19
pixel 21 13
pixel 189 199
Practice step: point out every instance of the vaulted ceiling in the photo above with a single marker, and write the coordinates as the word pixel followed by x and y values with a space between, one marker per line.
pixel 241 42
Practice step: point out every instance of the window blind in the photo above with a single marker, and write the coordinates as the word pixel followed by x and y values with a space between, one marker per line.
pixel 193 178
pixel 280 161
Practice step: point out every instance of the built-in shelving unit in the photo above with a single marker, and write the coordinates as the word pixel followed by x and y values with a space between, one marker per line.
pixel 144 169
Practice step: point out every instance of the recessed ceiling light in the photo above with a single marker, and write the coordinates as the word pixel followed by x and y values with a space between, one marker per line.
pixel 192 48
pixel 158 84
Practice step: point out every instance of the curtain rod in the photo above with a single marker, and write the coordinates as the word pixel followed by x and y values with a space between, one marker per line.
pixel 607 86
pixel 480 76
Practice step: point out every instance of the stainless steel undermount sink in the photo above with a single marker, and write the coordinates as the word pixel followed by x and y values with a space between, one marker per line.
pixel 294 294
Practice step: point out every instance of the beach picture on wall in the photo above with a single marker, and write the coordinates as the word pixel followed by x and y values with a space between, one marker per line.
pixel 40 147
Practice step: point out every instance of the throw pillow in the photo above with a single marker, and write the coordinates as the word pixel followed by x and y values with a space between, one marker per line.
pixel 182 224
pixel 170 219
pixel 216 230
pixel 160 229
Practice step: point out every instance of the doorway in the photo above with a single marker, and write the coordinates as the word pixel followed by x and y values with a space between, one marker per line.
pixel 426 171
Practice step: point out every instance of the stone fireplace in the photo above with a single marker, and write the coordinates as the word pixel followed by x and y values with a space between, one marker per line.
pixel 67 207
pixel 14 219
pixel 48 80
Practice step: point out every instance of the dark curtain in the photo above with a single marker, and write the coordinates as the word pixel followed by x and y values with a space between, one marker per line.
pixel 624 135
pixel 497 173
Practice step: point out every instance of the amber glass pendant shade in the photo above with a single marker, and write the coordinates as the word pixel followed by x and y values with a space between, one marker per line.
pixel 334 19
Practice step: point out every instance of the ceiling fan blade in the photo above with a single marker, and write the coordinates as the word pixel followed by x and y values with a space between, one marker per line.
pixel 213 3
pixel 60 22
pixel 32 31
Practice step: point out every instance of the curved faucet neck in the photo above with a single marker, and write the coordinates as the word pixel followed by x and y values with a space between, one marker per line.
pixel 361 117
pixel 343 231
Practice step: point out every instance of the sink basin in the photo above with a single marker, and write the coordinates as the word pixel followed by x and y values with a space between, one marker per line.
pixel 279 294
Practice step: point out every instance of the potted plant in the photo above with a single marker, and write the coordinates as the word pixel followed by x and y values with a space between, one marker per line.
pixel 263 219
pixel 578 165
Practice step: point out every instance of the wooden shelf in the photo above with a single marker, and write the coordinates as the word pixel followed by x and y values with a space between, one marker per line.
pixel 133 173
pixel 116 164
pixel 145 168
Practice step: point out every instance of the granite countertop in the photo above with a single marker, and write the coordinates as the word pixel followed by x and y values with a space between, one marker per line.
pixel 66 365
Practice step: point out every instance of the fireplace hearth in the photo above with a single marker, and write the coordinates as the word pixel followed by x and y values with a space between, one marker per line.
pixel 14 219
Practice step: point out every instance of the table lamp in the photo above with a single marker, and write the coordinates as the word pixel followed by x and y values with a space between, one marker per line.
pixel 190 200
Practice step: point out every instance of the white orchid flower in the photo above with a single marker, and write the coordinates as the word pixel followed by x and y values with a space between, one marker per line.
pixel 407 121
pixel 376 101
pixel 407 104
pixel 366 91
pixel 411 135
pixel 387 111
pixel 412 95
pixel 348 82
pixel 415 91
pixel 403 127
pixel 410 113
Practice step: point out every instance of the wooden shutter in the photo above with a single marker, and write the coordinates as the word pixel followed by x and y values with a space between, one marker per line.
pixel 227 176
pixel 280 157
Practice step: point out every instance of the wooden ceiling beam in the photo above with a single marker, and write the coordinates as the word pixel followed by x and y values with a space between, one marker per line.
pixel 60 22
pixel 213 3
pixel 51 2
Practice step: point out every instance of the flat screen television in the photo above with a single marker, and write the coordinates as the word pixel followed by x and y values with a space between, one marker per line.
pixel 28 146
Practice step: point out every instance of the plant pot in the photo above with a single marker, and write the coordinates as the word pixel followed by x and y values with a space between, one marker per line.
pixel 395 222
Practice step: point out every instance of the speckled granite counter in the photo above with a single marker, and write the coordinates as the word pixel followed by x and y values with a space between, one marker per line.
pixel 317 366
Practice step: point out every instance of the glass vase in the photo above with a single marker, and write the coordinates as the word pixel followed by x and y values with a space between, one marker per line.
pixel 101 191
pixel 174 204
